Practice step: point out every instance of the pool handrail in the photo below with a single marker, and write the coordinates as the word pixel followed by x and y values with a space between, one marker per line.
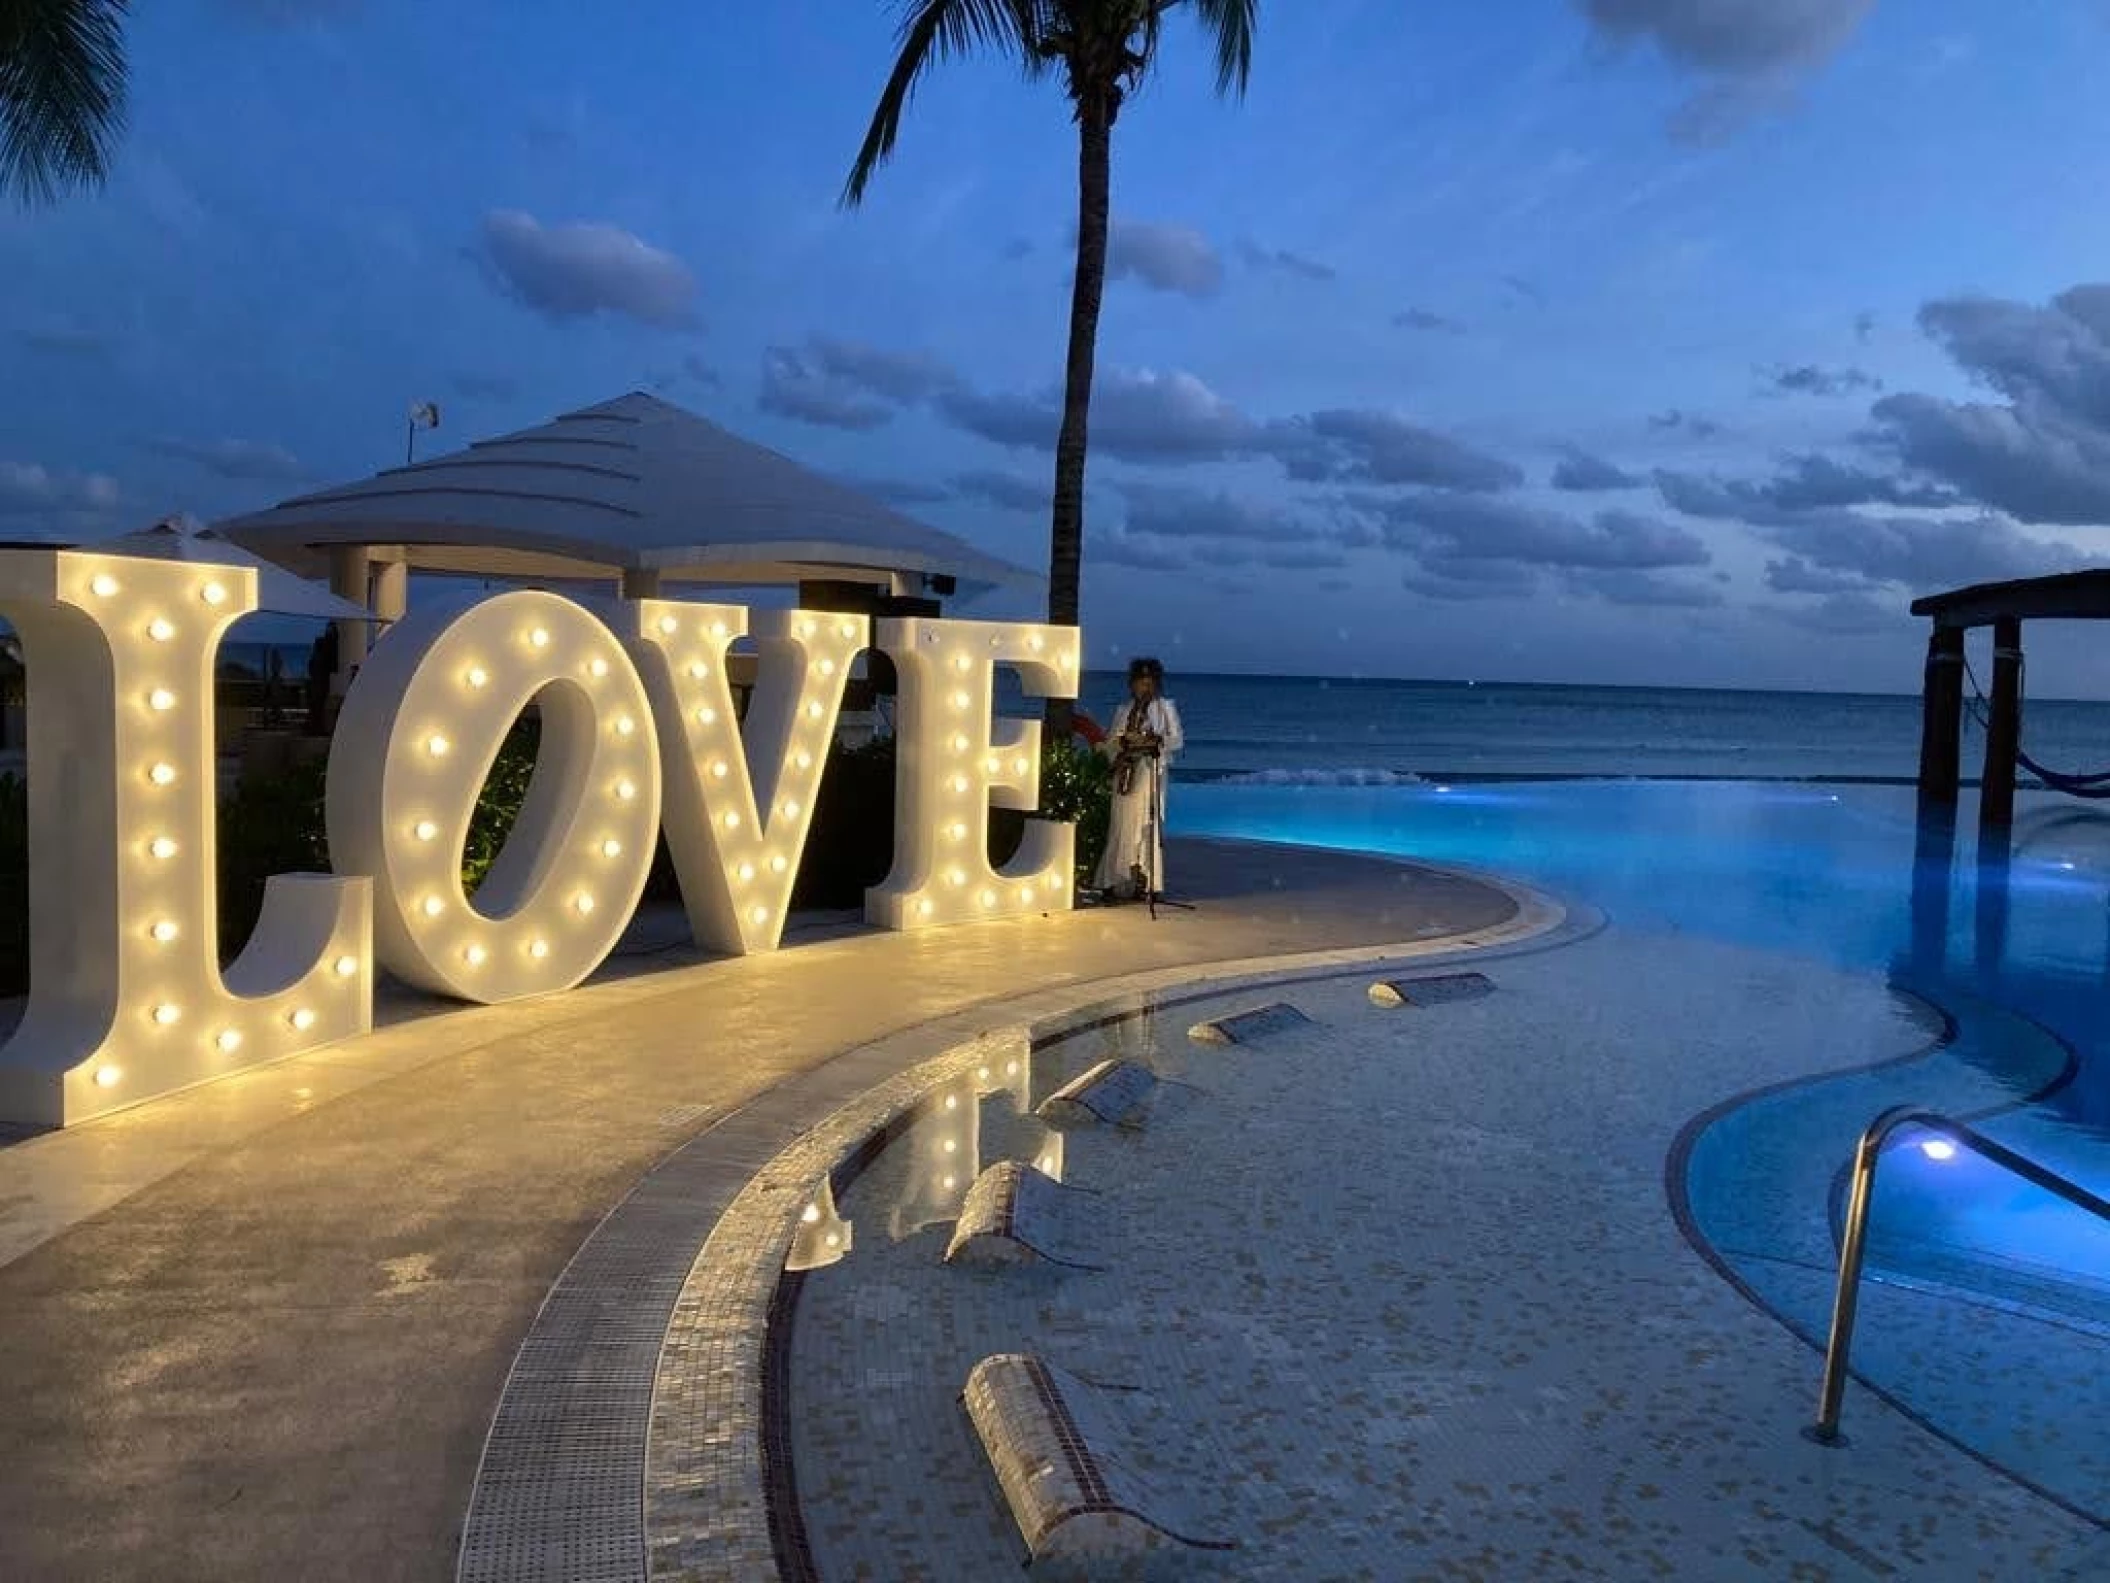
pixel 1854 1240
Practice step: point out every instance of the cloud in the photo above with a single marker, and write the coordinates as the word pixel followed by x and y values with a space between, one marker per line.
pixel 28 489
pixel 1807 379
pixel 81 345
pixel 1120 549
pixel 1449 532
pixel 1624 586
pixel 1005 490
pixel 1381 448
pixel 484 387
pixel 245 460
pixel 1425 320
pixel 1580 471
pixel 1921 553
pixel 1172 511
pixel 1521 287
pixel 1748 53
pixel 1810 482
pixel 1844 615
pixel 1285 262
pixel 290 13
pixel 1685 422
pixel 1470 580
pixel 1015 249
pixel 1137 415
pixel 842 384
pixel 1864 326
pixel 1797 576
pixel 575 271
pixel 1163 257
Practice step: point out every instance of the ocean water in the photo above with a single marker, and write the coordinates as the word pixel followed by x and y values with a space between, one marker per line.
pixel 1319 731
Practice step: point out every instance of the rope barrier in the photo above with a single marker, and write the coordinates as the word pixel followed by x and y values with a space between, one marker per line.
pixel 2092 788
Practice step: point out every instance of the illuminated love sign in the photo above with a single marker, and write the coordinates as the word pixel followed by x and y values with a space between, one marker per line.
pixel 639 734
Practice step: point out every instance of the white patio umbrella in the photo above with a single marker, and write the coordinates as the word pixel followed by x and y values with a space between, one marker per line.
pixel 278 591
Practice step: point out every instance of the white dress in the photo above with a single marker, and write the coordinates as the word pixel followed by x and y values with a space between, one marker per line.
pixel 1135 836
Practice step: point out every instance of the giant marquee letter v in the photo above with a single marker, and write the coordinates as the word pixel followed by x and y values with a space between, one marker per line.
pixel 126 996
pixel 739 797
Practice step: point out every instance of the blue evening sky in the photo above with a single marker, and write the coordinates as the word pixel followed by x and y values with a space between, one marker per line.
pixel 1600 340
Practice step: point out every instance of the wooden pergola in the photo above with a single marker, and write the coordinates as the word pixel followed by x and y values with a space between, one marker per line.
pixel 2067 596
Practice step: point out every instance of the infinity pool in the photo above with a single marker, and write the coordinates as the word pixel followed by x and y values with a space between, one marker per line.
pixel 1826 873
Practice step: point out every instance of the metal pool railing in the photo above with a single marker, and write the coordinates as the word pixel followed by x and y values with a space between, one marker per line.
pixel 1853 1244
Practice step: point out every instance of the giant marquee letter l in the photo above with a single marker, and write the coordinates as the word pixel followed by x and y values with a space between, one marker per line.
pixel 954 765
pixel 126 997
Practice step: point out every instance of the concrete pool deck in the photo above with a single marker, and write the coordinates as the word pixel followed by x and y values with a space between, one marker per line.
pixel 259 1329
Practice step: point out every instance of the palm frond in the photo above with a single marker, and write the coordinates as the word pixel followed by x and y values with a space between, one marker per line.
pixel 1231 23
pixel 62 94
pixel 932 31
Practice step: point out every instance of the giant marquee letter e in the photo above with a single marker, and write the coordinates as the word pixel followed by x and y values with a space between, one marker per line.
pixel 126 996
pixel 420 731
pixel 953 765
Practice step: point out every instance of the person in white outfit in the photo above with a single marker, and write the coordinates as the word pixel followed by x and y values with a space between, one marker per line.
pixel 1144 737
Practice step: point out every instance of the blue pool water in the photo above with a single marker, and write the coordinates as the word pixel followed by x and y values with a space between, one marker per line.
pixel 1822 871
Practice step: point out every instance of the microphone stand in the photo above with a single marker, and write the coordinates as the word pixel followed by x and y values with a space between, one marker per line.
pixel 1152 834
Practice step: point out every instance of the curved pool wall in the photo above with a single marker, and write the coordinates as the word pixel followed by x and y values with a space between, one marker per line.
pixel 1824 872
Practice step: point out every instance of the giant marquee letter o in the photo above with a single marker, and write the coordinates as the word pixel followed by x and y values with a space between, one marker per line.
pixel 420 730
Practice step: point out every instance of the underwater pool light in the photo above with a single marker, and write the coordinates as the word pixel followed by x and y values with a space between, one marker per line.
pixel 1938 1148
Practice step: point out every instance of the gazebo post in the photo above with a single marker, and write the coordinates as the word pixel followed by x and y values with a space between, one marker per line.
pixel 391 598
pixel 640 582
pixel 2003 736
pixel 349 566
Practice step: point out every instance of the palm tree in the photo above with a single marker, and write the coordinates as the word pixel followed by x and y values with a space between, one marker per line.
pixel 1104 49
pixel 62 94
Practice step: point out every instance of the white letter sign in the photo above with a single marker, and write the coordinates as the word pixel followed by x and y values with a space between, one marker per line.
pixel 420 729
pixel 126 998
pixel 740 797
pixel 953 765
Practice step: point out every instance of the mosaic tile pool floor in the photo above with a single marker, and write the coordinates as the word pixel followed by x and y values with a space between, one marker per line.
pixel 1404 1299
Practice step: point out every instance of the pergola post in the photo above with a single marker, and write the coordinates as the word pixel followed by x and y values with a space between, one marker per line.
pixel 1941 720
pixel 391 596
pixel 640 582
pixel 2003 735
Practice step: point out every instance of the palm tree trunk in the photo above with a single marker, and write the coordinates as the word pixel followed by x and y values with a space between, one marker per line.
pixel 1095 125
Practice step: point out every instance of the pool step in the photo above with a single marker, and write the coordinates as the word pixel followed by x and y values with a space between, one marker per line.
pixel 1054 1443
pixel 1016 1215
pixel 1114 1092
pixel 1248 1027
pixel 1435 990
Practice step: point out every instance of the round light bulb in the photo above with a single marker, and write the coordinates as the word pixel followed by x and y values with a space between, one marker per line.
pixel 434 906
pixel 437 745
pixel 164 931
pixel 597 666
pixel 791 809
pixel 958 830
pixel 477 676
pixel 805 629
pixel 583 903
pixel 668 625
pixel 718 629
pixel 538 949
pixel 746 871
pixel 698 671
pixel 107 1076
pixel 987 898
pixel 804 761
pixel 955 877
pixel 706 715
pixel 166 1014
pixel 1020 765
pixel 302 1018
pixel 228 1040
pixel 161 631
pixel 952 1145
pixel 626 790
pixel 161 698
pixel 539 637
pixel 611 848
pixel 1035 642
pixel 960 700
pixel 814 711
pixel 732 821
pixel 624 725
pixel 848 629
pixel 1025 894
pixel 950 1183
pixel 952 1101
pixel 960 783
pixel 103 585
pixel 425 829
pixel 760 915
pixel 959 742
pixel 827 667
pixel 778 864
pixel 720 769
pixel 162 774
pixel 925 908
pixel 347 966
pixel 473 955
pixel 963 664
pixel 213 594
pixel 162 846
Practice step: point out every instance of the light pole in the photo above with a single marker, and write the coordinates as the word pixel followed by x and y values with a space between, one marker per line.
pixel 423 415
